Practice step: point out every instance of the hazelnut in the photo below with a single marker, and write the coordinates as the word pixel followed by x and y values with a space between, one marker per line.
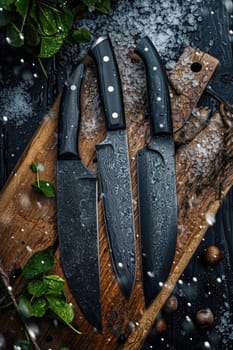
pixel 171 304
pixel 161 325
pixel 212 255
pixel 205 317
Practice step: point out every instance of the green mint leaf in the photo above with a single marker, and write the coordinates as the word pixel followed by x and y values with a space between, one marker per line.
pixel 22 7
pixel 39 263
pixel 14 37
pixel 104 6
pixel 65 22
pixel 24 307
pixel 60 308
pixel 54 285
pixel 36 288
pixel 64 348
pixel 31 36
pixel 50 45
pixel 44 187
pixel 47 20
pixel 34 166
pixel 81 35
pixel 39 308
pixel 6 4
pixel 22 345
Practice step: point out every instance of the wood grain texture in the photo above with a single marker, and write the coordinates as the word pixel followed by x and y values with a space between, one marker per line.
pixel 28 221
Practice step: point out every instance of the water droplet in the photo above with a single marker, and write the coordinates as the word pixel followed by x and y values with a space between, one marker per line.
pixel 150 274
pixel 207 344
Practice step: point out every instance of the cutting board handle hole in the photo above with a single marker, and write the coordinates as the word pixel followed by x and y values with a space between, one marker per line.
pixel 196 67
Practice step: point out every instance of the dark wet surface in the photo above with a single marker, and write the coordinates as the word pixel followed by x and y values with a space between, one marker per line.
pixel 201 286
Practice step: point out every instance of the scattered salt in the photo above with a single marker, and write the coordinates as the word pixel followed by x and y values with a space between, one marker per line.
pixel 210 218
pixel 16 104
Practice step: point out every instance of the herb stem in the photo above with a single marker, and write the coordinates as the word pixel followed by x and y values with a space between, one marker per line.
pixel 6 305
pixel 49 6
pixel 37 178
pixel 42 68
pixel 24 18
pixel 73 329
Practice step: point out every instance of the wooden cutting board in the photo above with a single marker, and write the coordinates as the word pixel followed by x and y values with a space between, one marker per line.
pixel 204 176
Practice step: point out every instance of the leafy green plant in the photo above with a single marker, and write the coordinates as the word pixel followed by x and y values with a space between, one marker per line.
pixel 42 26
pixel 44 293
pixel 42 186
pixel 23 344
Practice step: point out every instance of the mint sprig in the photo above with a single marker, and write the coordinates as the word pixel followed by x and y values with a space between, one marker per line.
pixel 44 292
pixel 42 186
pixel 43 26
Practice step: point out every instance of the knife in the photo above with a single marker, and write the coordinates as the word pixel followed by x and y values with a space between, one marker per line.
pixel 156 180
pixel 77 208
pixel 114 168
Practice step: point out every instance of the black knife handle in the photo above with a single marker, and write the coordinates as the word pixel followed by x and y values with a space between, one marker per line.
pixel 157 87
pixel 69 115
pixel 109 83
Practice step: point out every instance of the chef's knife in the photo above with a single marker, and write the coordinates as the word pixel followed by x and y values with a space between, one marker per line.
pixel 77 208
pixel 157 180
pixel 114 168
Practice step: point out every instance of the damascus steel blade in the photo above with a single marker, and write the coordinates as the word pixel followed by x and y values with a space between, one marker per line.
pixel 114 174
pixel 157 212
pixel 76 218
pixel 77 207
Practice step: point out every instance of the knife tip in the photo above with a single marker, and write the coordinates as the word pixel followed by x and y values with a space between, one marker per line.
pixel 126 287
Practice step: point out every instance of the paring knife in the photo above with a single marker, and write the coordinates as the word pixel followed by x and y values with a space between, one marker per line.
pixel 156 180
pixel 114 168
pixel 77 208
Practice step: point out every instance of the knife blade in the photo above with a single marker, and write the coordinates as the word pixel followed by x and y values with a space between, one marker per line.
pixel 77 208
pixel 114 168
pixel 156 180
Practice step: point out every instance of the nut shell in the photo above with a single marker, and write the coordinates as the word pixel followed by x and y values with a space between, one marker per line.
pixel 205 317
pixel 212 255
pixel 161 325
pixel 171 304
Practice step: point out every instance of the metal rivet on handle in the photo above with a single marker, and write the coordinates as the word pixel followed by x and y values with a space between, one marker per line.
pixel 115 115
pixel 146 49
pixel 106 59
pixel 110 88
pixel 155 68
